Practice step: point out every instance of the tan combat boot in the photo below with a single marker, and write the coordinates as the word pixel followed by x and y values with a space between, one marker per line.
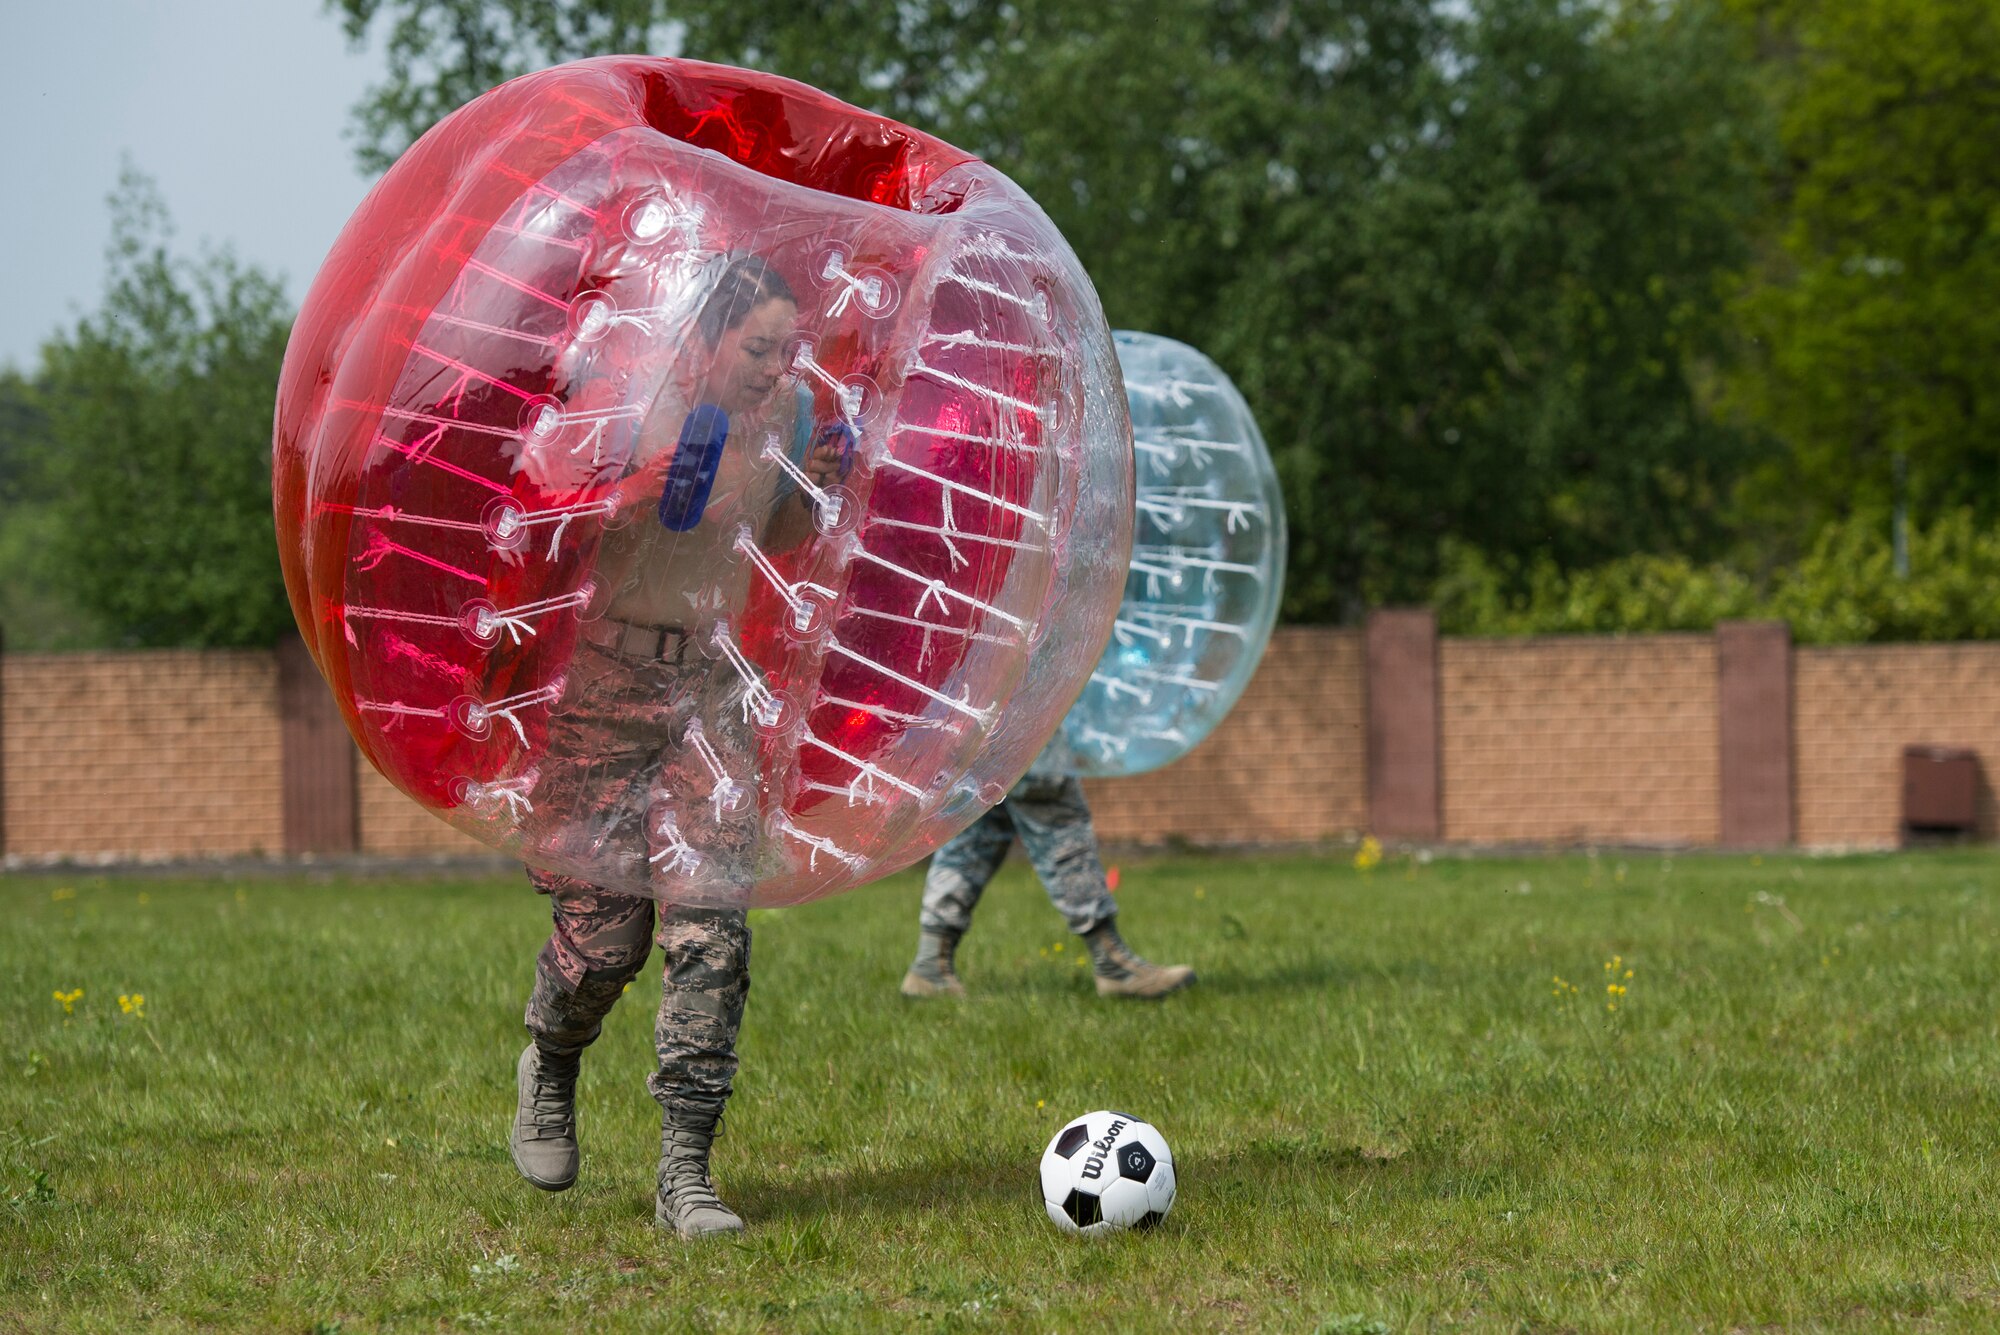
pixel 932 975
pixel 1120 973
pixel 543 1141
pixel 687 1202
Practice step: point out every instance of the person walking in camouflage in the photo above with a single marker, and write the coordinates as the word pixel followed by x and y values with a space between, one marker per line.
pixel 625 775
pixel 600 943
pixel 1048 813
pixel 627 689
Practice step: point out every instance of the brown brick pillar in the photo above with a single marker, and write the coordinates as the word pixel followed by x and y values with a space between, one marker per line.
pixel 1753 663
pixel 1404 774
pixel 322 800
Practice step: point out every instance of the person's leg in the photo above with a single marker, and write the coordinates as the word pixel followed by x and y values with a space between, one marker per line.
pixel 598 746
pixel 704 933
pixel 706 982
pixel 958 876
pixel 598 945
pixel 1053 821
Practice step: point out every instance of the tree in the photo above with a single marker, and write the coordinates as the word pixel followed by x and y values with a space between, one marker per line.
pixel 32 611
pixel 1845 590
pixel 1462 258
pixel 443 53
pixel 157 471
pixel 1475 316
pixel 22 424
pixel 1872 327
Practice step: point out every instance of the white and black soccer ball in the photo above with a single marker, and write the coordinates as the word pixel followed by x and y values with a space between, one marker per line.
pixel 1105 1171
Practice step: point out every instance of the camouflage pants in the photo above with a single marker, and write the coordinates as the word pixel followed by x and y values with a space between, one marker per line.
pixel 1053 822
pixel 651 772
pixel 600 943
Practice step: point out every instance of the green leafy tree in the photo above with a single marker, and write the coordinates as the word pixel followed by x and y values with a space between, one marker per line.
pixel 157 468
pixel 1477 318
pixel 1463 259
pixel 1633 594
pixel 22 426
pixel 1847 590
pixel 1844 590
pixel 1874 327
pixel 442 54
pixel 33 612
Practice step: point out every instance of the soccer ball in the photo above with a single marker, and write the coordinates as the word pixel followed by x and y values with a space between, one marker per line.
pixel 1107 1170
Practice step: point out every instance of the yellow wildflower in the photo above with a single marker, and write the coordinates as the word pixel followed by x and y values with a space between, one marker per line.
pixel 69 1000
pixel 1369 855
pixel 133 1005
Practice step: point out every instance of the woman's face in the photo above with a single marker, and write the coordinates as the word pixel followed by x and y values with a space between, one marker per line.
pixel 749 358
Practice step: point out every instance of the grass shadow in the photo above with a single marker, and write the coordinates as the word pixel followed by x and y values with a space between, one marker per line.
pixel 922 1186
pixel 1234 974
pixel 972 1181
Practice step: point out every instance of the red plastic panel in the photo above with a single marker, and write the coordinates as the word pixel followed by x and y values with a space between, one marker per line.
pixel 567 396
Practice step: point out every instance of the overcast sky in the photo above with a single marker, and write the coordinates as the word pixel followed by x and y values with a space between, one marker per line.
pixel 238 108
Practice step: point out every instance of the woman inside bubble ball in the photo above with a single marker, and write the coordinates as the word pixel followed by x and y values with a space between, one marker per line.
pixel 624 768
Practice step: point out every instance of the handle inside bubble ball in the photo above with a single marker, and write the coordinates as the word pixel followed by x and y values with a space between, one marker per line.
pixel 830 433
pixel 691 476
pixel 805 444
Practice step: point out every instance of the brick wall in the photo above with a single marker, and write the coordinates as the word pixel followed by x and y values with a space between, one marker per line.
pixel 394 825
pixel 1579 739
pixel 1260 778
pixel 1855 708
pixel 131 756
pixel 180 754
pixel 1288 765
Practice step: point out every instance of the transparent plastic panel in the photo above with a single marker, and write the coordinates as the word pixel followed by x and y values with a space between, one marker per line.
pixel 681 474
pixel 1207 571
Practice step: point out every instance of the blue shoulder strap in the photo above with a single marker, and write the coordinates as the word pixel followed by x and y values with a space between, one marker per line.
pixel 691 475
pixel 801 442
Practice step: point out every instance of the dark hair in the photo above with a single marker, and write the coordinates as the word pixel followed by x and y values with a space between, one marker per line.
pixel 746 284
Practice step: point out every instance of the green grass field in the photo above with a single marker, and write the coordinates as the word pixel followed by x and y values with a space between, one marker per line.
pixel 1387 1112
